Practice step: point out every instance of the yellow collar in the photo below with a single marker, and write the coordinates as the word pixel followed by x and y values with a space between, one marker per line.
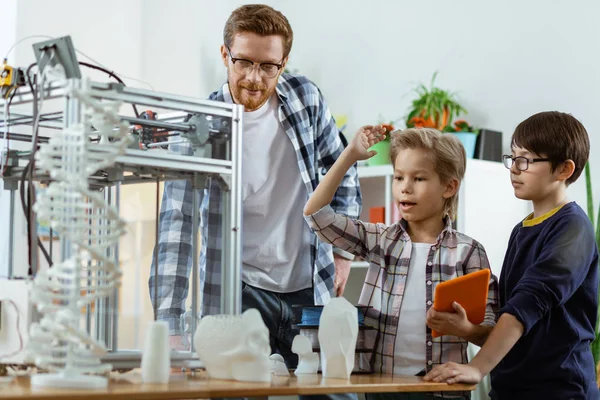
pixel 530 221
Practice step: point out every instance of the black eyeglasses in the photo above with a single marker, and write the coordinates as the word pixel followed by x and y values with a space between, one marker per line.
pixel 243 66
pixel 522 163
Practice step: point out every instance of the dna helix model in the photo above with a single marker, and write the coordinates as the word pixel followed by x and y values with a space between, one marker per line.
pixel 90 227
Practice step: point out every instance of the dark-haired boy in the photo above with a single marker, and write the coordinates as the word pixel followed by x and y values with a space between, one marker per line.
pixel 540 347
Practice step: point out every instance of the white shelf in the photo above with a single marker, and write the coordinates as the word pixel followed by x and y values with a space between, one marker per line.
pixel 376 171
pixel 360 264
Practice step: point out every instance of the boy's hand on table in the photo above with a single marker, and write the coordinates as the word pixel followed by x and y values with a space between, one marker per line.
pixel 454 373
pixel 450 323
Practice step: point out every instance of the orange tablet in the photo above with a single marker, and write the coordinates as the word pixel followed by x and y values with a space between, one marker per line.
pixel 470 291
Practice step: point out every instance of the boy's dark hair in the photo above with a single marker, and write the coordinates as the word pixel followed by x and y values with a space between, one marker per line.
pixel 557 136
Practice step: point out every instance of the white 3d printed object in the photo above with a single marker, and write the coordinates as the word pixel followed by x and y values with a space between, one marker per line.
pixel 277 365
pixel 308 361
pixel 338 330
pixel 156 358
pixel 234 346
pixel 89 228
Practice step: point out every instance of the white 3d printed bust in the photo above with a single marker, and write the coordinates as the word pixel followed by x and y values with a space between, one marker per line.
pixel 308 361
pixel 234 346
pixel 338 331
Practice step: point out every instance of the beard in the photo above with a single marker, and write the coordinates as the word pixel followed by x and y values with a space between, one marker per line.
pixel 250 102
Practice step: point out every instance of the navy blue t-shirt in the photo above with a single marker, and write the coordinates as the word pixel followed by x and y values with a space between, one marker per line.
pixel 549 282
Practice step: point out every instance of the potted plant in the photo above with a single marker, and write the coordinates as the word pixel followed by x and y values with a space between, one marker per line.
pixel 466 133
pixel 433 107
pixel 437 108
pixel 382 148
pixel 596 225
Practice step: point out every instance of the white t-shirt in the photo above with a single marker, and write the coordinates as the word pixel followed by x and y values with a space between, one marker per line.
pixel 409 350
pixel 275 237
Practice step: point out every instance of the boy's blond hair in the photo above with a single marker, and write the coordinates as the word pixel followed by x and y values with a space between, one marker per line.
pixel 446 151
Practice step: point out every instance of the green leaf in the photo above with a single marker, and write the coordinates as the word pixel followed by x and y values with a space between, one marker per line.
pixel 595 347
pixel 596 343
pixel 432 101
pixel 590 195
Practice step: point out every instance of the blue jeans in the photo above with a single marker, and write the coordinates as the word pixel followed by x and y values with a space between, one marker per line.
pixel 276 311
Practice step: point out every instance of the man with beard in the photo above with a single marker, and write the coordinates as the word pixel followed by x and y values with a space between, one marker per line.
pixel 289 136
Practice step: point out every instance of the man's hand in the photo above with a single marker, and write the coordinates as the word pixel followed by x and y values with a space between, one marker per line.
pixel 176 342
pixel 342 271
pixel 364 138
pixel 450 323
pixel 454 373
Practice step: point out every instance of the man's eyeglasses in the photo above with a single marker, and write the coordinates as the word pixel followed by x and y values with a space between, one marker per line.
pixel 522 163
pixel 243 67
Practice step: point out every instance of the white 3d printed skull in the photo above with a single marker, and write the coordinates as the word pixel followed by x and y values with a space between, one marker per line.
pixel 234 346
pixel 338 331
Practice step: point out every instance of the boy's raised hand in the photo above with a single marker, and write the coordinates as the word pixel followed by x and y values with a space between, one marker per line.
pixel 364 138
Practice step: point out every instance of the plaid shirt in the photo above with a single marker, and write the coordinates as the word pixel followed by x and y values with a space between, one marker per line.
pixel 308 123
pixel 388 251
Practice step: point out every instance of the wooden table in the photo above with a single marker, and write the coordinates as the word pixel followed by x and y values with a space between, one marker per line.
pixel 186 386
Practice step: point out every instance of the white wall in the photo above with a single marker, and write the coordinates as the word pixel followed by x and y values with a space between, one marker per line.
pixel 108 31
pixel 8 26
pixel 506 60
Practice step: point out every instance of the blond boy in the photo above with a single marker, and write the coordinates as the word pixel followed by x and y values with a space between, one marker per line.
pixel 409 258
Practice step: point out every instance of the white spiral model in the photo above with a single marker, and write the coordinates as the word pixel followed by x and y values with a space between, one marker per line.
pixel 91 227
